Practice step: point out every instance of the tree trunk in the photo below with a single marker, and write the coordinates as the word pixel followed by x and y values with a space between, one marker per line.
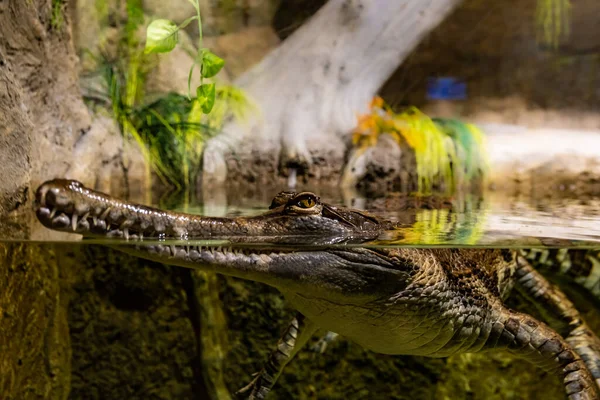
pixel 311 88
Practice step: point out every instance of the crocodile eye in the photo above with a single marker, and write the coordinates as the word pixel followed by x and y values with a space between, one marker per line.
pixel 308 202
pixel 304 203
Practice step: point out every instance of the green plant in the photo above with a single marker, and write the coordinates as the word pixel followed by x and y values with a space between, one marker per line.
pixel 174 133
pixel 57 18
pixel 162 36
pixel 553 21
pixel 170 131
pixel 446 150
pixel 469 142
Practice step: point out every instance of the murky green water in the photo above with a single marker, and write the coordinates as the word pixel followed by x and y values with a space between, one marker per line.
pixel 80 320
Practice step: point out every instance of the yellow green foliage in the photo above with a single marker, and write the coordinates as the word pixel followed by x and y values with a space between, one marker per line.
pixel 446 150
pixel 553 21
pixel 57 19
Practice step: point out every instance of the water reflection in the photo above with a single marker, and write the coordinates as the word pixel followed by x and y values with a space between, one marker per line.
pixel 463 219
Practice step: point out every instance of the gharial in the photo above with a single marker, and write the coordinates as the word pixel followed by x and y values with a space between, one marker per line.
pixel 407 301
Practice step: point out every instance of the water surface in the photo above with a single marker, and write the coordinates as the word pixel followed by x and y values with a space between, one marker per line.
pixel 495 219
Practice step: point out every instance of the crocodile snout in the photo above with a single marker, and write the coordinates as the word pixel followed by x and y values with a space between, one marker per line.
pixel 68 206
pixel 56 205
pixel 57 193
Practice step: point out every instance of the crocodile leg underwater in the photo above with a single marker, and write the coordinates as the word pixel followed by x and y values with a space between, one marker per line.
pixel 554 305
pixel 404 301
pixel 298 332
pixel 579 266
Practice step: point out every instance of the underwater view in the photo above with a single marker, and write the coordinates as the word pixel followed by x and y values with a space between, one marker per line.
pixel 137 328
pixel 299 199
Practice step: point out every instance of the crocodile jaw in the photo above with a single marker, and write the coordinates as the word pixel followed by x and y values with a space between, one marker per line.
pixel 68 206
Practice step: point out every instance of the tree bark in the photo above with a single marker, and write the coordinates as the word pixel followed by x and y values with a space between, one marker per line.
pixel 311 88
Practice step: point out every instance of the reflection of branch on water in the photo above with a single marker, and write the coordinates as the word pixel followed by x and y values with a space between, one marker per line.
pixel 210 327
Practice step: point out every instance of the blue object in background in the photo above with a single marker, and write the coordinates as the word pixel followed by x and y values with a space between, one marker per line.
pixel 446 88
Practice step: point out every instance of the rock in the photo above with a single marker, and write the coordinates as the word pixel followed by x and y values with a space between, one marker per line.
pixel 130 327
pixel 174 10
pixel 381 168
pixel 89 32
pixel 15 143
pixel 227 16
pixel 241 50
pixel 103 134
pixel 118 168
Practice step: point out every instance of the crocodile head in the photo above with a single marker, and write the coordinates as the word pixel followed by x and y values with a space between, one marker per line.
pixel 68 206
pixel 301 226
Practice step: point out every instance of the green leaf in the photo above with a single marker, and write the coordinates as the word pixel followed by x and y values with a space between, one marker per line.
pixel 206 96
pixel 161 36
pixel 211 64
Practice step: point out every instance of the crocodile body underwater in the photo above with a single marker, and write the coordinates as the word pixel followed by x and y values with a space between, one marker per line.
pixel 403 301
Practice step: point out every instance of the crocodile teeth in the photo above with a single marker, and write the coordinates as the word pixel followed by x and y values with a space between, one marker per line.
pixel 105 213
pixel 52 213
pixel 126 233
pixel 74 222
